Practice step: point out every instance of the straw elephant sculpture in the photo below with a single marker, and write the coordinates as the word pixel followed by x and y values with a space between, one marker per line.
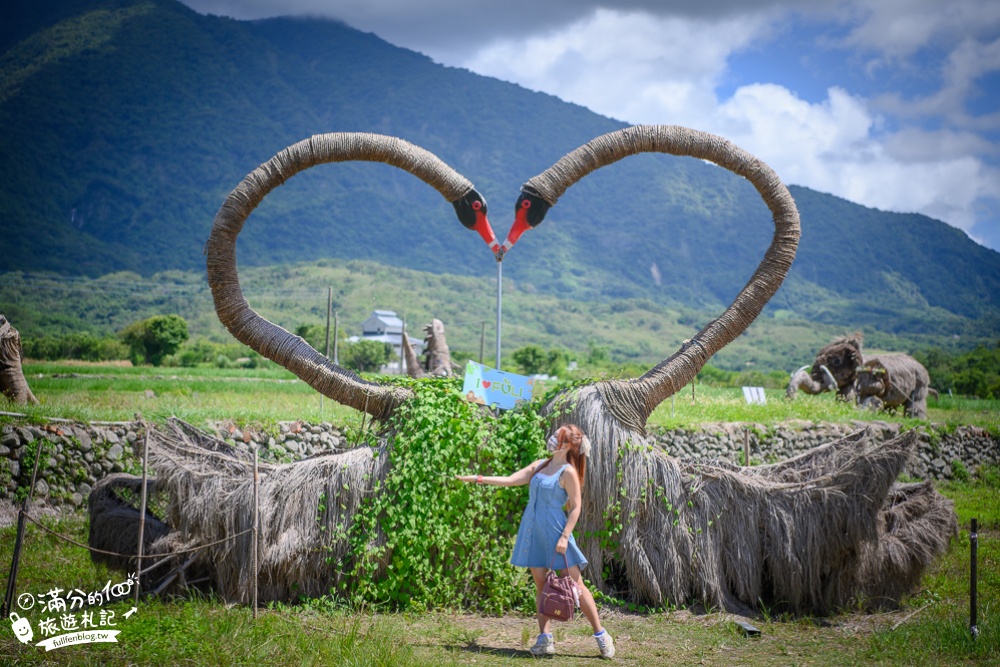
pixel 817 532
pixel 883 381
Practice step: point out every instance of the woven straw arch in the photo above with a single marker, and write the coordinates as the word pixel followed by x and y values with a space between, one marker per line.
pixel 271 340
pixel 633 401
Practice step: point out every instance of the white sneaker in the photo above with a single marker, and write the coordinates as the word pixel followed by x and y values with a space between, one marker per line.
pixel 545 645
pixel 606 644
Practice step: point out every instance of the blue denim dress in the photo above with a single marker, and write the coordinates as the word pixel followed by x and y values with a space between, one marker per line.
pixel 542 523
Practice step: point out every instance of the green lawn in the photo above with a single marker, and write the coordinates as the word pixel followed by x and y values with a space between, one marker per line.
pixel 262 396
pixel 931 629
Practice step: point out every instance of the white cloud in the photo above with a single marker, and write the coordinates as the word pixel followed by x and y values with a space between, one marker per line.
pixel 969 61
pixel 835 146
pixel 647 69
pixel 899 28
pixel 632 66
pixel 662 61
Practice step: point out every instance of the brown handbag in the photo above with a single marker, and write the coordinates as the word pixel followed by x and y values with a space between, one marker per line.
pixel 559 595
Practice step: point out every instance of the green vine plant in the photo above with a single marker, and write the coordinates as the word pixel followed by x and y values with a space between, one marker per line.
pixel 421 539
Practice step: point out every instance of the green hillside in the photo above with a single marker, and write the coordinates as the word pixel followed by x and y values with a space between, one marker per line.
pixel 632 331
pixel 127 122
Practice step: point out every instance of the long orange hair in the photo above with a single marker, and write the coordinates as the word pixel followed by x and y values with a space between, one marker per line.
pixel 572 435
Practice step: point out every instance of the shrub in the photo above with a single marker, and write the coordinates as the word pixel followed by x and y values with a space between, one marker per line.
pixel 153 339
pixel 84 346
pixel 365 355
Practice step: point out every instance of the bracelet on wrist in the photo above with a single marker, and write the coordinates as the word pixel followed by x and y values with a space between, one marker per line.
pixel 479 479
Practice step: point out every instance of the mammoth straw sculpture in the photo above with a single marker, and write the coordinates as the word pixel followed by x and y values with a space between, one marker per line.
pixel 823 530
pixel 881 381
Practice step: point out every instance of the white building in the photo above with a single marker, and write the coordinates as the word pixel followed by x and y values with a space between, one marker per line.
pixel 385 326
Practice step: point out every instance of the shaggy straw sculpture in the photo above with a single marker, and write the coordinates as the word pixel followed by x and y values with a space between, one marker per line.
pixel 819 531
pixel 210 487
pixel 895 379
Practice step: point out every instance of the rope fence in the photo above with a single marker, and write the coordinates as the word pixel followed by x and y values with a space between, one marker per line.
pixel 123 555
pixel 24 516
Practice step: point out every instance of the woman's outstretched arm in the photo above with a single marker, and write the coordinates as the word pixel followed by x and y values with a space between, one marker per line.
pixel 519 478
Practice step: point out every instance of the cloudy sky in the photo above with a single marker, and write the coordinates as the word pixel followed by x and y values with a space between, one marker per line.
pixel 894 104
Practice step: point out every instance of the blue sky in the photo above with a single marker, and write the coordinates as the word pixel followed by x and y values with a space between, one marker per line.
pixel 893 104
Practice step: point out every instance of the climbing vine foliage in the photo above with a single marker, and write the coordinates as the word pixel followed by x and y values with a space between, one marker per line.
pixel 423 539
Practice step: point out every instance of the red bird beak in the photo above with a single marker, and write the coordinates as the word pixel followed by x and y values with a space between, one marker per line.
pixel 529 212
pixel 482 225
pixel 519 227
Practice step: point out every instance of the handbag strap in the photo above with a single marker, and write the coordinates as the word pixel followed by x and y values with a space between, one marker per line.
pixel 553 562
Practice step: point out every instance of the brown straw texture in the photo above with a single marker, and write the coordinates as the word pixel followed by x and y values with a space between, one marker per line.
pixel 271 340
pixel 822 531
pixel 633 401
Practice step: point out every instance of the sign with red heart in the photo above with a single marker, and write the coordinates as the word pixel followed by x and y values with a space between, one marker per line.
pixel 497 389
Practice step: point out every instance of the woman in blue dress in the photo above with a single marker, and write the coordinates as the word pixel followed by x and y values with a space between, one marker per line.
pixel 545 536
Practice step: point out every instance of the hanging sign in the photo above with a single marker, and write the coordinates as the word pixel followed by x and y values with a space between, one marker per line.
pixel 498 389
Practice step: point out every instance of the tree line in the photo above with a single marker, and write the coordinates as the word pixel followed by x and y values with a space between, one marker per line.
pixel 164 340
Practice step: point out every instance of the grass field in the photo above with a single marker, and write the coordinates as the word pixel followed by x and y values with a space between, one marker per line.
pixel 930 629
pixel 262 396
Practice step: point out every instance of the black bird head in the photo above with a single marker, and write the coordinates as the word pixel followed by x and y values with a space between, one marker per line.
pixel 471 211
pixel 529 212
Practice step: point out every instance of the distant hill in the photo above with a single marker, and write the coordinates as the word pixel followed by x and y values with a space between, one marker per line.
pixel 127 122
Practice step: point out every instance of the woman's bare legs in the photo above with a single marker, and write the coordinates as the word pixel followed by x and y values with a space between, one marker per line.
pixel 538 574
pixel 587 604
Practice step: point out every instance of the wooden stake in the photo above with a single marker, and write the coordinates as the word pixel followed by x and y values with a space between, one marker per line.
pixel 256 537
pixel 142 513
pixel 19 540
pixel 973 612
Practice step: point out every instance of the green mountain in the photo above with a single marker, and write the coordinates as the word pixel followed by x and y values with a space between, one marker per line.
pixel 127 122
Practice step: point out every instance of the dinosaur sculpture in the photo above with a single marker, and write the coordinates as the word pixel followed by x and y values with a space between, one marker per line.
pixel 812 534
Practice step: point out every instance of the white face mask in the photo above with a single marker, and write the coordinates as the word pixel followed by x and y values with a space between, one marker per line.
pixel 553 443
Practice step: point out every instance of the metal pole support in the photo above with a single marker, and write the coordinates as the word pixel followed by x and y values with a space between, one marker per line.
pixel 499 305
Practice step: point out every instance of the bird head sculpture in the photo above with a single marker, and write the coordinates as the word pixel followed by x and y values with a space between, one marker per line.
pixel 529 211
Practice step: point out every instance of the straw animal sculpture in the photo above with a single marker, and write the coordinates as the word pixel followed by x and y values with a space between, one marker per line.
pixel 811 534
pixel 894 380
pixel 835 368
pixel 12 382
pixel 882 381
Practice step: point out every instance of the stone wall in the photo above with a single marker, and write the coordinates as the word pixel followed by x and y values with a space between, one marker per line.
pixel 75 456
pixel 937 451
